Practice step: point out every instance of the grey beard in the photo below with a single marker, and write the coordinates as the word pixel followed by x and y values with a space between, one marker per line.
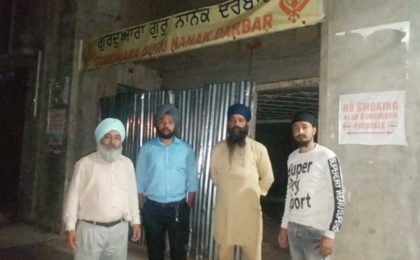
pixel 109 155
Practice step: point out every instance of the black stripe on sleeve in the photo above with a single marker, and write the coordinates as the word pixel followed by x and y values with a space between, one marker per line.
pixel 338 192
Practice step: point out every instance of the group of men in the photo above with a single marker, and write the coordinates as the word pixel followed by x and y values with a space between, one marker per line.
pixel 106 192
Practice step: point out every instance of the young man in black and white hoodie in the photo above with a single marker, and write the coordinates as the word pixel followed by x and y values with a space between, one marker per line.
pixel 314 205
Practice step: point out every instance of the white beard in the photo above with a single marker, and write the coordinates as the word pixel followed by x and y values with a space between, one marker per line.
pixel 108 154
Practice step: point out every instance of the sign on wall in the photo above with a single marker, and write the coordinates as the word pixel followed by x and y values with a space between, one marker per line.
pixel 216 24
pixel 375 118
pixel 55 130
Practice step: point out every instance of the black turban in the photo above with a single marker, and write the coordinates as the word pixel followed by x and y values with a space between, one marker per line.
pixel 241 110
pixel 307 117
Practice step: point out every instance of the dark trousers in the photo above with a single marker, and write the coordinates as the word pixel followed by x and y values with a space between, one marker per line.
pixel 159 219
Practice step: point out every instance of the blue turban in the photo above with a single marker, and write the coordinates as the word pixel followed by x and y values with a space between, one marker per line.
pixel 241 110
pixel 305 116
pixel 107 125
pixel 170 110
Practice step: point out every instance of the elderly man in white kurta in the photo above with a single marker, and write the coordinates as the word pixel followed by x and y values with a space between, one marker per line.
pixel 102 199
pixel 241 171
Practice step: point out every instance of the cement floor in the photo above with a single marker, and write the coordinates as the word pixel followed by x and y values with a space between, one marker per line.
pixel 21 242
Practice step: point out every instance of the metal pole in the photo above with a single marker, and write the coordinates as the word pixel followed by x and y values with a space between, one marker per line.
pixel 38 72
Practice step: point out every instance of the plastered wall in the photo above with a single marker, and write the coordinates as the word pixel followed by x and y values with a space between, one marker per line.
pixel 372 46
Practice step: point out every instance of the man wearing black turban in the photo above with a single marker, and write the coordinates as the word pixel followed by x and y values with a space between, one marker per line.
pixel 314 206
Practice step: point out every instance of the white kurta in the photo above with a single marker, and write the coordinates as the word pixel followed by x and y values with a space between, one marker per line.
pixel 102 191
pixel 240 181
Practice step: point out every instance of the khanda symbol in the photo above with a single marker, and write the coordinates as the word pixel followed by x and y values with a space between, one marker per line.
pixel 292 8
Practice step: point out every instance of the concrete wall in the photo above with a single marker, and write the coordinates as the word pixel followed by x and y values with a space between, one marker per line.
pixel 287 55
pixel 88 87
pixel 382 212
pixel 49 27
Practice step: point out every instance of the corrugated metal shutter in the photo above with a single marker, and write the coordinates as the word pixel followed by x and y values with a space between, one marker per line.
pixel 203 124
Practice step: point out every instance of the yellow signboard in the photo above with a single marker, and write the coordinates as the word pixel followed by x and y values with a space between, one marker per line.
pixel 216 24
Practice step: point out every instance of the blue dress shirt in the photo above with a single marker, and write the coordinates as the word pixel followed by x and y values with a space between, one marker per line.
pixel 166 173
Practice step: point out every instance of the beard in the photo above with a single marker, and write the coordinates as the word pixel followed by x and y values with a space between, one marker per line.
pixel 302 141
pixel 237 136
pixel 109 154
pixel 236 140
pixel 165 133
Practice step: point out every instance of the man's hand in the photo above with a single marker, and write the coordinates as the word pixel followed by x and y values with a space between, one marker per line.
pixel 326 246
pixel 282 239
pixel 141 200
pixel 191 199
pixel 136 232
pixel 71 239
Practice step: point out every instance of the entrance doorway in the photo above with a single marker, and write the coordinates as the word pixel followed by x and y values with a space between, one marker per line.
pixel 276 106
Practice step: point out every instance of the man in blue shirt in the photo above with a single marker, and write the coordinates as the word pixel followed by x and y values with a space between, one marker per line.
pixel 167 183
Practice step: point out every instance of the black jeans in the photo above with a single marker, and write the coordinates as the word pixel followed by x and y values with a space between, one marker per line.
pixel 173 218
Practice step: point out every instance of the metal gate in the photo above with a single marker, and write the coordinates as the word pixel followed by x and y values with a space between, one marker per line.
pixel 203 124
